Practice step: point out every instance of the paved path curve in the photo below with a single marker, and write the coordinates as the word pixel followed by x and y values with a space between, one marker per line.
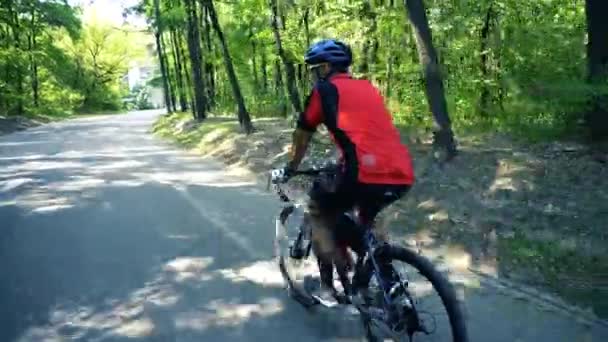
pixel 107 234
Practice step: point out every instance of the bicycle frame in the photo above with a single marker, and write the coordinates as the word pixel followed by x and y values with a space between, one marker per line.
pixel 371 244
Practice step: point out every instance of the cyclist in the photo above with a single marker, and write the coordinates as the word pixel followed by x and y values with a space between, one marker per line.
pixel 374 169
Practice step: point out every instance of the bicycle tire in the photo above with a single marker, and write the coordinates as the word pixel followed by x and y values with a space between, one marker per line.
pixel 441 285
pixel 294 290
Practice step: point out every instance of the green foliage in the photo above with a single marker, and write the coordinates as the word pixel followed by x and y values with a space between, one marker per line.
pixel 198 137
pixel 509 65
pixel 140 98
pixel 52 63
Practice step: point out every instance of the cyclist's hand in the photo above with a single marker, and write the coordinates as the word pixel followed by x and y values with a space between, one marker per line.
pixel 288 172
pixel 281 175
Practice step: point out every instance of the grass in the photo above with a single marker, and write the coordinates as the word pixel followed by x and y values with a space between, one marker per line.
pixel 568 272
pixel 202 137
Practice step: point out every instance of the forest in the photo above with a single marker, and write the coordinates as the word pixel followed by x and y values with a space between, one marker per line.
pixel 537 68
pixel 56 61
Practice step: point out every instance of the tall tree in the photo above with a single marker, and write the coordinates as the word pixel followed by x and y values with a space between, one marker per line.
pixel 597 57
pixel 177 59
pixel 243 114
pixel 167 72
pixel 292 89
pixel 484 97
pixel 433 81
pixel 32 48
pixel 161 56
pixel 264 68
pixel 209 60
pixel 194 46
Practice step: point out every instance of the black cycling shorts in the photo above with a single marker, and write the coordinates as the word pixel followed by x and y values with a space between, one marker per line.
pixel 370 199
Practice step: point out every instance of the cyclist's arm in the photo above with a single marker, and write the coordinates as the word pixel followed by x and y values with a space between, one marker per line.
pixel 308 121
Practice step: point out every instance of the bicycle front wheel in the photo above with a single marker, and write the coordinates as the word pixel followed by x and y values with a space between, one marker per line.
pixel 294 271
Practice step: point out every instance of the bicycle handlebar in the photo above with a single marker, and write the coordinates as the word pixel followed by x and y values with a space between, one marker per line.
pixel 277 177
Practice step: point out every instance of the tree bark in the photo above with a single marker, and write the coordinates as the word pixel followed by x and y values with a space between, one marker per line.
pixel 254 62
pixel 264 71
pixel 194 46
pixel 177 56
pixel 172 95
pixel 484 97
pixel 308 41
pixel 292 89
pixel 278 87
pixel 597 58
pixel 34 70
pixel 209 66
pixel 278 77
pixel 443 135
pixel 157 33
pixel 243 115
pixel 367 13
pixel 16 29
pixel 389 76
pixel 33 63
pixel 306 25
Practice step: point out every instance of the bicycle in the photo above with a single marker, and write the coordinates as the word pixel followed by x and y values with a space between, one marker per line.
pixel 376 309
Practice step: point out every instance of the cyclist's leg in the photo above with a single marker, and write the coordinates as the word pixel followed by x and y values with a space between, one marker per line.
pixel 373 199
pixel 325 207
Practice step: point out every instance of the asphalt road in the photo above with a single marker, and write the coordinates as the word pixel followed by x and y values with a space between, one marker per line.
pixel 108 234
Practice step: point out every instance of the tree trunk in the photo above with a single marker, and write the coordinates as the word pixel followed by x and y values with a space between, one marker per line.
pixel 194 46
pixel 16 29
pixel 597 57
pixel 433 81
pixel 211 74
pixel 177 56
pixel 498 73
pixel 209 66
pixel 278 78
pixel 389 76
pixel 484 97
pixel 292 89
pixel 172 95
pixel 306 26
pixel 308 41
pixel 254 63
pixel 366 13
pixel 243 115
pixel 190 91
pixel 278 86
pixel 264 71
pixel 301 80
pixel 34 70
pixel 159 51
pixel 33 63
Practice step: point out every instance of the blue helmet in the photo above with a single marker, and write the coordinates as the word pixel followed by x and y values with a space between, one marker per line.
pixel 329 51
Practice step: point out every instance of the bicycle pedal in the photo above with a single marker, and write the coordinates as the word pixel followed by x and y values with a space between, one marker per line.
pixel 398 289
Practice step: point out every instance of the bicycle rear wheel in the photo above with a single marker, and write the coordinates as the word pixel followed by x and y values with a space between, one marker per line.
pixel 421 284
